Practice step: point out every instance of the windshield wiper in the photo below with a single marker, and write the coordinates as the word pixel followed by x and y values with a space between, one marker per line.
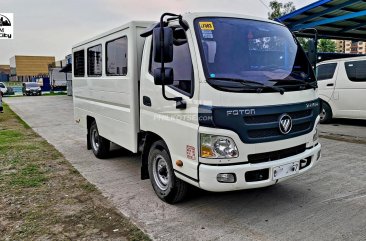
pixel 301 82
pixel 260 86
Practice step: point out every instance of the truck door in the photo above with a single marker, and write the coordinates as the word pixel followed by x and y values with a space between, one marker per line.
pixel 326 76
pixel 177 127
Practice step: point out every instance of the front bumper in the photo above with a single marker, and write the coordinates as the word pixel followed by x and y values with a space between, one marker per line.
pixel 208 173
pixel 33 92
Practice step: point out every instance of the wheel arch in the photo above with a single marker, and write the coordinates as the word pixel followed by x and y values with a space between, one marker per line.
pixel 89 121
pixel 148 139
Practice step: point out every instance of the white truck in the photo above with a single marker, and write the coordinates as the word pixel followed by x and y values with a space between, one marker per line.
pixel 219 101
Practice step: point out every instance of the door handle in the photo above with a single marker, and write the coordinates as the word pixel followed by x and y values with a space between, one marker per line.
pixel 146 101
pixel 331 84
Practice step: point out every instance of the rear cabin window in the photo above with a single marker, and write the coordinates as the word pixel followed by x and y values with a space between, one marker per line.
pixel 116 56
pixel 181 64
pixel 79 63
pixel 95 61
pixel 326 71
pixel 356 70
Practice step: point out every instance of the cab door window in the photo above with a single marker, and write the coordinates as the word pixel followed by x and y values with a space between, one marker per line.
pixel 181 64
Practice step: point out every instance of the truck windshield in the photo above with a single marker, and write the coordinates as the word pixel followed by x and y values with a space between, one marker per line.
pixel 238 54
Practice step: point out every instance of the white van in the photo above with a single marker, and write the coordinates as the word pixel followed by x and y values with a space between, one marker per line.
pixel 219 101
pixel 342 88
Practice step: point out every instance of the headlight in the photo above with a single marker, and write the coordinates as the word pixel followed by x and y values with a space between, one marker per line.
pixel 217 147
pixel 316 134
pixel 27 89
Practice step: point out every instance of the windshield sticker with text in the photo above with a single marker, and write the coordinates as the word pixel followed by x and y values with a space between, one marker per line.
pixel 206 26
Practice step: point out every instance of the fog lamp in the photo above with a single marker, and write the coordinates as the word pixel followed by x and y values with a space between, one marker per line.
pixel 226 177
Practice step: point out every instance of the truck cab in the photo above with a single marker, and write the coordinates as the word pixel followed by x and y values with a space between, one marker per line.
pixel 225 102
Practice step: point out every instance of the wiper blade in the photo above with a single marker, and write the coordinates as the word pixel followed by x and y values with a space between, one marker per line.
pixel 253 84
pixel 236 80
pixel 301 82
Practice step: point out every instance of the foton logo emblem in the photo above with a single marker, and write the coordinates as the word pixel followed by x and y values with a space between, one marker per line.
pixel 285 124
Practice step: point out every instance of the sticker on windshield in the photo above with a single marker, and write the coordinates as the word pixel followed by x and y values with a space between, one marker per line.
pixel 206 26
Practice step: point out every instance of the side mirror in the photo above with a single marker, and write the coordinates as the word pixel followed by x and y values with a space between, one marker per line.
pixel 312 52
pixel 168 76
pixel 166 45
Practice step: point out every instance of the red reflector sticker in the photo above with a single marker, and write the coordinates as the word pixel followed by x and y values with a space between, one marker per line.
pixel 191 152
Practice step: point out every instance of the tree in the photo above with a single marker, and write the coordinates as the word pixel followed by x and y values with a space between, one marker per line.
pixel 326 45
pixel 304 43
pixel 279 9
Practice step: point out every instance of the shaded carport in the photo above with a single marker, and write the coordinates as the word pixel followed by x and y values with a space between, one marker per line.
pixel 333 19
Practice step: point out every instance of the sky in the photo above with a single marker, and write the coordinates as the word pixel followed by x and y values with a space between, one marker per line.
pixel 49 27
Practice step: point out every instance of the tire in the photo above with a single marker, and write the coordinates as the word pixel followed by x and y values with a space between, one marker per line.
pixel 326 114
pixel 166 185
pixel 99 145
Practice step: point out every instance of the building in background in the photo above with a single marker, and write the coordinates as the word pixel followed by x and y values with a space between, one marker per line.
pixel 350 47
pixel 4 73
pixel 28 68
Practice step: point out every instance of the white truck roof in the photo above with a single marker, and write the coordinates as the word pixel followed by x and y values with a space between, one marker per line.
pixel 192 16
pixel 132 24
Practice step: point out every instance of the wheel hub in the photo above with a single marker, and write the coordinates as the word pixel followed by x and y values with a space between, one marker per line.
pixel 95 139
pixel 161 172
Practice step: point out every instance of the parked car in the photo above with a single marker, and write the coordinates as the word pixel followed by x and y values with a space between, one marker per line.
pixel 31 88
pixel 10 91
pixel 3 88
pixel 342 88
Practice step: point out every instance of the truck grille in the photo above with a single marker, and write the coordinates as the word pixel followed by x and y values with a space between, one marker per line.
pixel 274 118
pixel 266 126
pixel 261 124
pixel 276 155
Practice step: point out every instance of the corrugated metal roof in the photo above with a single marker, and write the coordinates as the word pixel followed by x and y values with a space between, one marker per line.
pixel 339 19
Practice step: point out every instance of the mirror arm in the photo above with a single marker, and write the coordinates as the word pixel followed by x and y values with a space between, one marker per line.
pixel 181 104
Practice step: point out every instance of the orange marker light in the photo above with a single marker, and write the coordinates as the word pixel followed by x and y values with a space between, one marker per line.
pixel 179 163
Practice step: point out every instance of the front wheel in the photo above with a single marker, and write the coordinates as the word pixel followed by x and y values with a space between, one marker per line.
pixel 99 144
pixel 166 185
pixel 326 114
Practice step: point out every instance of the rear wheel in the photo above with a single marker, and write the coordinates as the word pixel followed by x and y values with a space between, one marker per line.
pixel 326 113
pixel 166 185
pixel 99 144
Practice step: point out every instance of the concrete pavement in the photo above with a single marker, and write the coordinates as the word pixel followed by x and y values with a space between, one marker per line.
pixel 327 203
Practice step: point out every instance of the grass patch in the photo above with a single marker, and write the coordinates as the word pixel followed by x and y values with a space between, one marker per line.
pixel 29 176
pixel 42 197
pixel 8 136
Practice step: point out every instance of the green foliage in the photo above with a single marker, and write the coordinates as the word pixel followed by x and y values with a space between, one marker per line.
pixel 326 45
pixel 279 9
pixel 304 43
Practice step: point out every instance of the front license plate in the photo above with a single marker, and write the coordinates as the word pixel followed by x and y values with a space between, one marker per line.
pixel 285 170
